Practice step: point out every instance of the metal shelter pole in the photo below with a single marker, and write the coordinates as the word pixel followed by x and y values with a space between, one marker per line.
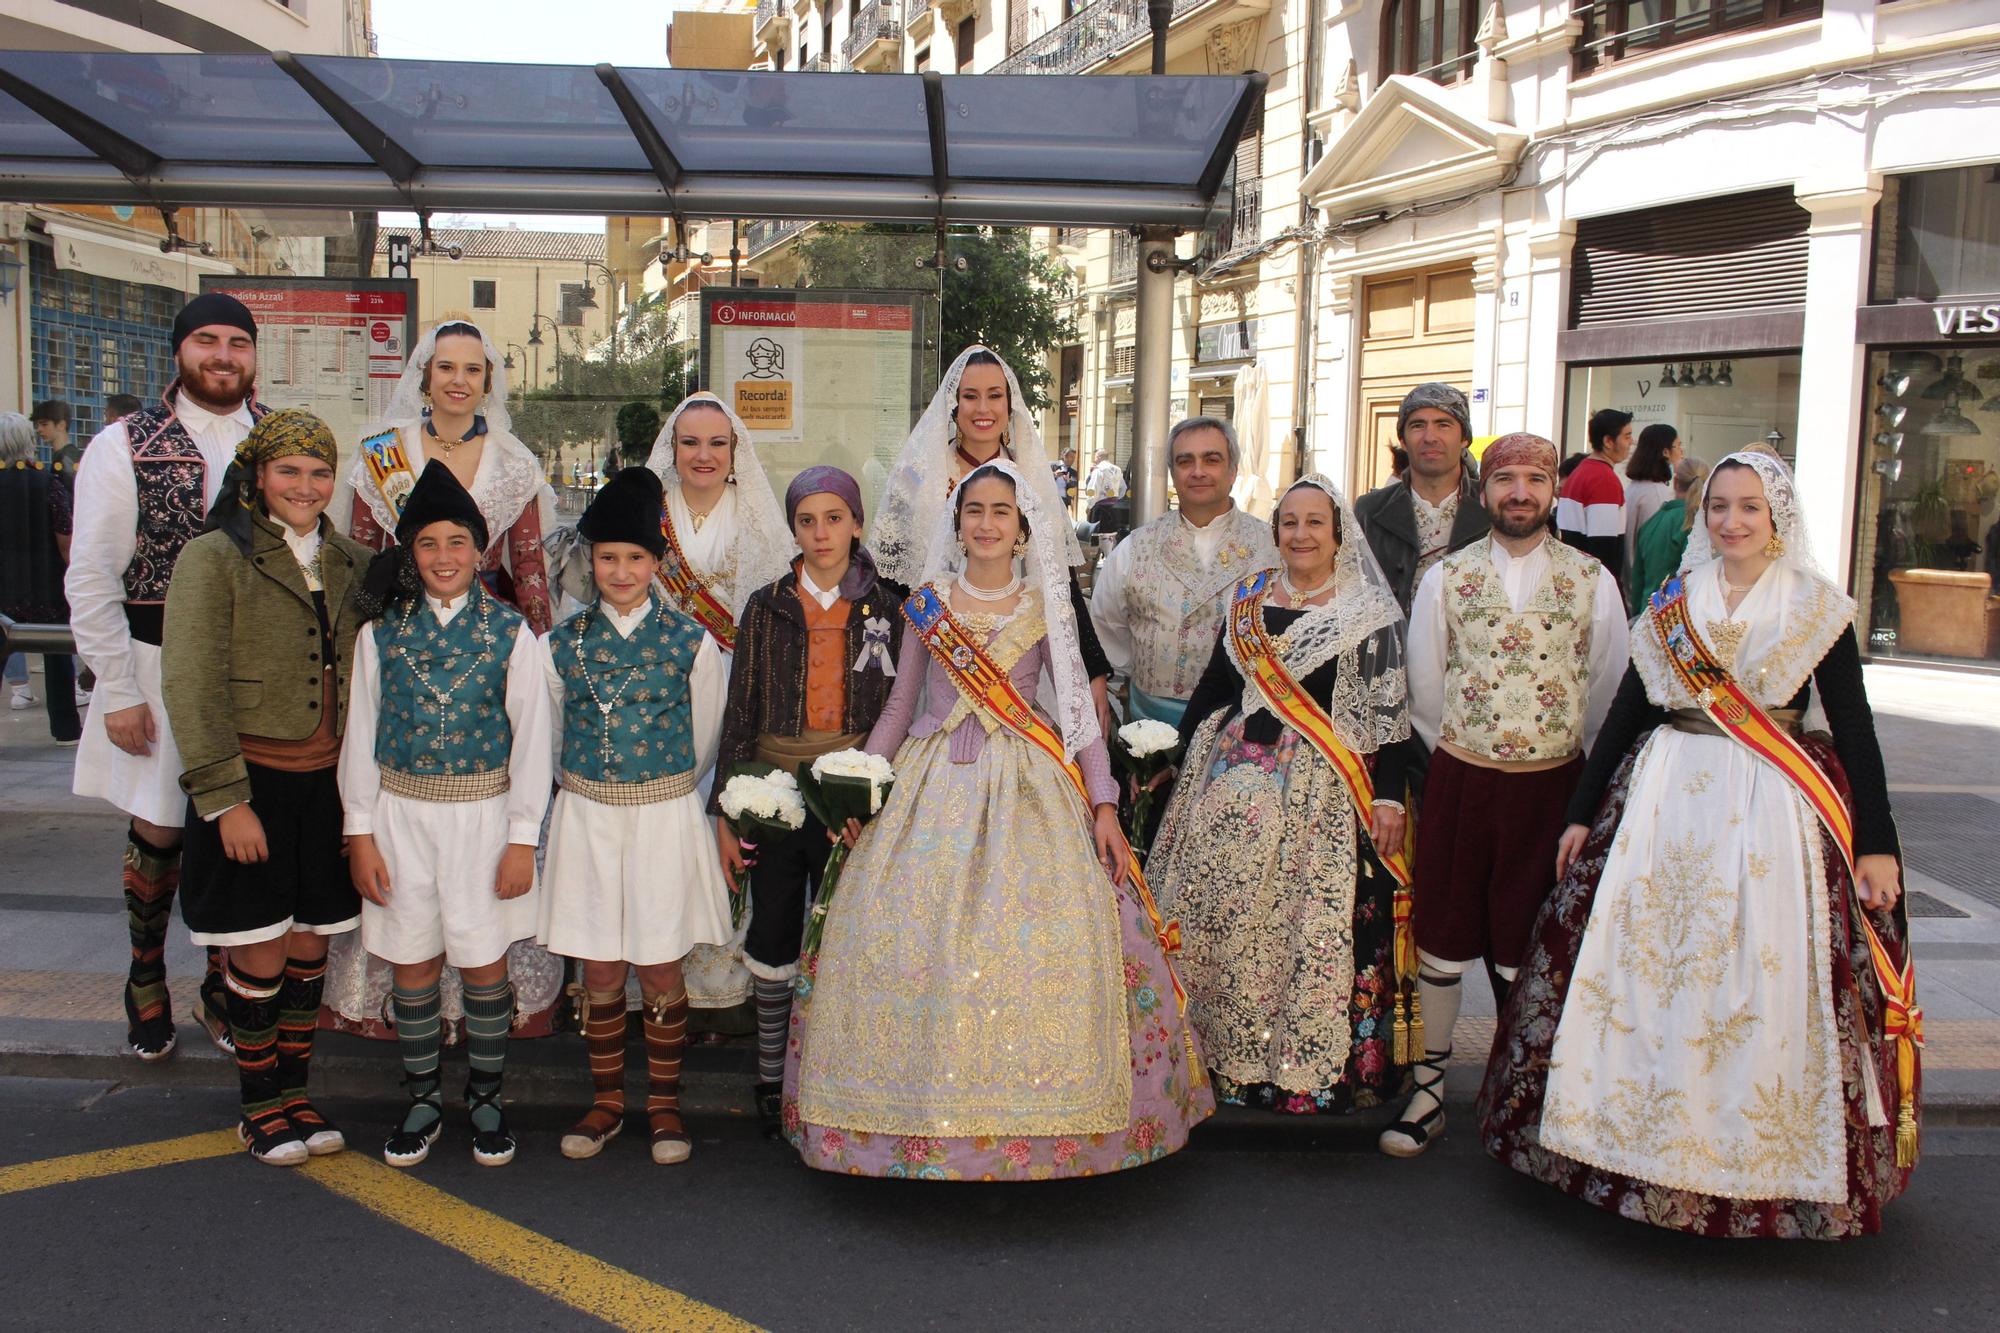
pixel 1151 380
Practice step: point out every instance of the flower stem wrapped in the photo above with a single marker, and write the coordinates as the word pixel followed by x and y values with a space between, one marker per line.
pixel 758 801
pixel 1143 750
pixel 837 787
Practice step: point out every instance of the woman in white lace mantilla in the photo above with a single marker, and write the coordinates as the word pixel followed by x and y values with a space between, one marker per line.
pixel 1286 911
pixel 1697 1039
pixel 451 405
pixel 991 1000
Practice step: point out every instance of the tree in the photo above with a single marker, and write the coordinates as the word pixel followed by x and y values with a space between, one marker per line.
pixel 638 425
pixel 1010 295
pixel 584 405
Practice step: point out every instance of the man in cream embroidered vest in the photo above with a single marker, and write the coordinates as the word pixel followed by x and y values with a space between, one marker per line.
pixel 1517 644
pixel 1159 598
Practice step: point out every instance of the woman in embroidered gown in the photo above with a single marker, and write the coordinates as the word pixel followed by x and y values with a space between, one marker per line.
pixel 991 1000
pixel 1697 1039
pixel 451 405
pixel 1286 911
pixel 977 416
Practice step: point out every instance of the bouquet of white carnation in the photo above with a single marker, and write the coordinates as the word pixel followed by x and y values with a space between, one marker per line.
pixel 1145 750
pixel 837 787
pixel 758 799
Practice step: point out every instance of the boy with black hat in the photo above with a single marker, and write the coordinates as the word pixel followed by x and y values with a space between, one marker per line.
pixel 815 658
pixel 444 775
pixel 632 879
pixel 141 494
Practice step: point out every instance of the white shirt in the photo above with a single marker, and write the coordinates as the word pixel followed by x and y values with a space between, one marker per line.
pixel 106 534
pixel 530 760
pixel 1519 576
pixel 1112 585
pixel 305 550
pixel 625 621
pixel 818 594
pixel 708 689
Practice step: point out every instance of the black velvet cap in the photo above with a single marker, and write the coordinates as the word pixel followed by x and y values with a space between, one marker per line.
pixel 627 510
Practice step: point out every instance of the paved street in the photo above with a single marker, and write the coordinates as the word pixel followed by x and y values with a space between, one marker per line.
pixel 114 1178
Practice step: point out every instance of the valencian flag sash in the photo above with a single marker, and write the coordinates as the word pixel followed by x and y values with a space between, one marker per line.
pixel 1738 716
pixel 989 688
pixel 690 593
pixel 388 463
pixel 1299 711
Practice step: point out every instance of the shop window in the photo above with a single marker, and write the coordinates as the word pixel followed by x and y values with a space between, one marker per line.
pixel 1938 234
pixel 1927 529
pixel 1717 405
pixel 1432 39
pixel 1616 29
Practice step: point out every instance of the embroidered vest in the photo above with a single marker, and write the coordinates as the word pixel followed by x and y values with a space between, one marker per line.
pixel 1516 682
pixel 649 732
pixel 1175 605
pixel 171 478
pixel 416 733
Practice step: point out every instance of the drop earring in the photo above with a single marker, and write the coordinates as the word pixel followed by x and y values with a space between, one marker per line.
pixel 1775 547
pixel 1020 547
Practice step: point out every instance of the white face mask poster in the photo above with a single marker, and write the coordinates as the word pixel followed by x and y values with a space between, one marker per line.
pixel 818 375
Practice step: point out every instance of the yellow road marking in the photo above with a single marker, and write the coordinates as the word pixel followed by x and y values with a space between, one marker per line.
pixel 580 1281
pixel 113 1161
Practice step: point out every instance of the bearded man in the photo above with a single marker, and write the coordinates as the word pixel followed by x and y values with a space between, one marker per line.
pixel 1517 644
pixel 142 493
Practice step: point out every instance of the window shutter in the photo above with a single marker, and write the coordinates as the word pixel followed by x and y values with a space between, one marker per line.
pixel 1730 256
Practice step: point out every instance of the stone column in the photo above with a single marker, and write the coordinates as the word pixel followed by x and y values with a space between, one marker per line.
pixel 1831 368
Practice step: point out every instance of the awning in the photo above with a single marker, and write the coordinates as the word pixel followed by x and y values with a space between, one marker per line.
pixel 256 130
pixel 129 261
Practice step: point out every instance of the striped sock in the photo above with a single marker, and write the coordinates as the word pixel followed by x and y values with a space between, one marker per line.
pixel 774 1021
pixel 418 1034
pixel 666 1034
pixel 604 1035
pixel 489 1016
pixel 298 1020
pixel 253 1019
pixel 150 877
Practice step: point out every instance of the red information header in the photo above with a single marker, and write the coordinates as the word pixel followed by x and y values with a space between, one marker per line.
pixel 811 315
pixel 318 301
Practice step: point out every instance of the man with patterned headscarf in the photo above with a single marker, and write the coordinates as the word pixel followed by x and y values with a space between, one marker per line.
pixel 1516 646
pixel 142 493
pixel 1159 597
pixel 1434 508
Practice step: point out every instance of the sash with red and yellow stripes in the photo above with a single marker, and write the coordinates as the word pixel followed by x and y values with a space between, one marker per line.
pixel 1743 720
pixel 1302 713
pixel 690 593
pixel 989 688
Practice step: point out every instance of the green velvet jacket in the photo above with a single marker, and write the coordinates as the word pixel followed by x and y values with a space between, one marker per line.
pixel 240 654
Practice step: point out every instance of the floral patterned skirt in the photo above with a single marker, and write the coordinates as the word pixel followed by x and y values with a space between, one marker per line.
pixel 1287 925
pixel 977 889
pixel 1511 1100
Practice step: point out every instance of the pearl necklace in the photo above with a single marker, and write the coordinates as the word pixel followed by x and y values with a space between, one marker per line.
pixel 604 706
pixel 1297 597
pixel 1001 594
pixel 443 696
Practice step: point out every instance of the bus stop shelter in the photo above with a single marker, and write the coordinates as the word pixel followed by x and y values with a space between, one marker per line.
pixel 278 130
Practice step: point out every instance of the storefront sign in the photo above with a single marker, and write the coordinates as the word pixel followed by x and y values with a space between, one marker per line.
pixel 1928 321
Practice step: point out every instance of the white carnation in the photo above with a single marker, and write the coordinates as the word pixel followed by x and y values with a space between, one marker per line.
pixel 1148 736
pixel 873 769
pixel 774 799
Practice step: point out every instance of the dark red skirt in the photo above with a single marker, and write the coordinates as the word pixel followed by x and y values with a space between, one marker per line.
pixel 1510 1101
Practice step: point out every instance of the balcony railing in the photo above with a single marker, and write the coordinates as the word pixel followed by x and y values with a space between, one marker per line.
pixel 1073 237
pixel 1617 29
pixel 768 12
pixel 878 21
pixel 914 10
pixel 761 236
pixel 1090 36
pixel 684 319
pixel 1124 256
pixel 817 65
pixel 1244 226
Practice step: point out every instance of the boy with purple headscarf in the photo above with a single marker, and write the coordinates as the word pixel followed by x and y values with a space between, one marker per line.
pixel 815 658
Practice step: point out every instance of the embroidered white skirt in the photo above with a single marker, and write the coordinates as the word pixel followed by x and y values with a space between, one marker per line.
pixel 145 786
pixel 442 858
pixel 634 883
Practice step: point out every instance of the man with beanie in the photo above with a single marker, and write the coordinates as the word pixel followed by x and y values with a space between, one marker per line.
pixel 1433 509
pixel 142 493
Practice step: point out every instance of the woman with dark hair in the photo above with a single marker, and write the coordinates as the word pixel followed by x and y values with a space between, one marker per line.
pixel 34 547
pixel 1658 547
pixel 1649 475
pixel 992 998
pixel 1715 1027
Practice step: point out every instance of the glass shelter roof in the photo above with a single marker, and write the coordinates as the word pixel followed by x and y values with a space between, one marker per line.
pixel 440 136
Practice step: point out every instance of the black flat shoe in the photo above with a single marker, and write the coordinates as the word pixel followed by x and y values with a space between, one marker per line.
pixel 490 1147
pixel 770 1100
pixel 151 1039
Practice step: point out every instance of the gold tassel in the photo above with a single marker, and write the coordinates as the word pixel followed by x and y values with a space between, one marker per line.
pixel 1399 1043
pixel 1417 1046
pixel 1906 1135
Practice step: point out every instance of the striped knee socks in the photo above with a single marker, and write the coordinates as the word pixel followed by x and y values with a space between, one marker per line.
pixel 774 1021
pixel 253 1018
pixel 604 1035
pixel 489 1016
pixel 150 876
pixel 418 1033
pixel 666 1034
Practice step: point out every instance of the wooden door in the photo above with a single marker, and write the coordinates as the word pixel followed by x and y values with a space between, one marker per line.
pixel 1415 327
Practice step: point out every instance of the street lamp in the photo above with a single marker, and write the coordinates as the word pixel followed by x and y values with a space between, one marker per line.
pixel 589 301
pixel 508 362
pixel 535 341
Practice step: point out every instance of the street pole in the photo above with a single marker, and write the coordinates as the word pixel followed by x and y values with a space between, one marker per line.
pixel 1152 378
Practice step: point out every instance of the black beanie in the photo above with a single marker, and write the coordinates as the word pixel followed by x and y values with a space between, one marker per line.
pixel 439 498
pixel 627 510
pixel 212 308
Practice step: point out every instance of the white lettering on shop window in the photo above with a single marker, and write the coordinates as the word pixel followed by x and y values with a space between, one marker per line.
pixel 1966 318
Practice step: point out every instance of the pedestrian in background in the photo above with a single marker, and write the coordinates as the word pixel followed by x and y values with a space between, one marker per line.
pixel 1649 478
pixel 1590 515
pixel 52 420
pixel 1657 552
pixel 34 546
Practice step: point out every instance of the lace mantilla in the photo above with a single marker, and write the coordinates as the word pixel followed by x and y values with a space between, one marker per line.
pixel 507 481
pixel 761 547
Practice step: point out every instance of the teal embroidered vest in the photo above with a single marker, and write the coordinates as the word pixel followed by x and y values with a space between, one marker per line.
pixel 649 731
pixel 416 732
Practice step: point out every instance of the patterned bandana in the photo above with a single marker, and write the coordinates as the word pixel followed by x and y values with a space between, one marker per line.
pixel 285 433
pixel 1437 395
pixel 1518 449
pixel 822 480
